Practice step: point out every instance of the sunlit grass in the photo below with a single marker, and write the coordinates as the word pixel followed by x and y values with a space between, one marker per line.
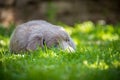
pixel 97 56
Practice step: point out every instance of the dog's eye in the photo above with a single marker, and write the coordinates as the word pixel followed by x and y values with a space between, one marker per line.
pixel 67 40
pixel 56 45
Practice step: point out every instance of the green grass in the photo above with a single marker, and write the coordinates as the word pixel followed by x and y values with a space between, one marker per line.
pixel 97 56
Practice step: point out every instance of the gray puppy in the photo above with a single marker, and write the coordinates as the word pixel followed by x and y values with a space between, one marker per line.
pixel 39 33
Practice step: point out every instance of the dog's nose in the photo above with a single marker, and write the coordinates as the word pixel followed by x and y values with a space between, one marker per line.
pixel 67 47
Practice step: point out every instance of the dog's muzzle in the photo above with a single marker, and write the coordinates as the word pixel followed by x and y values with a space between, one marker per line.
pixel 66 46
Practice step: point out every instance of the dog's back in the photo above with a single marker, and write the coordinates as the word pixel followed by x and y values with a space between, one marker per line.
pixel 19 38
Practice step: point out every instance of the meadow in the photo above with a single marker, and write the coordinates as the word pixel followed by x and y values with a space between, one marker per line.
pixel 97 56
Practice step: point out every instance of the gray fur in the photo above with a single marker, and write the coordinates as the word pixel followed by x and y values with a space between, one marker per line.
pixel 37 33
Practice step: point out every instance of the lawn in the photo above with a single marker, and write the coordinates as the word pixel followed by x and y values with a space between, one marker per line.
pixel 97 56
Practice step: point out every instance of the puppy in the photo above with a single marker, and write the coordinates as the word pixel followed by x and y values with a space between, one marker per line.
pixel 39 33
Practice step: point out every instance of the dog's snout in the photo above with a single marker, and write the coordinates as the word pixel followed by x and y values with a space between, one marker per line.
pixel 66 46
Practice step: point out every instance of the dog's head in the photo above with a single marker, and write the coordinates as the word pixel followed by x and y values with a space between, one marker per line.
pixel 56 37
pixel 60 39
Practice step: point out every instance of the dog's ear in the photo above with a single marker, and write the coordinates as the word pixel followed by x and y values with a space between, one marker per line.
pixel 35 41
